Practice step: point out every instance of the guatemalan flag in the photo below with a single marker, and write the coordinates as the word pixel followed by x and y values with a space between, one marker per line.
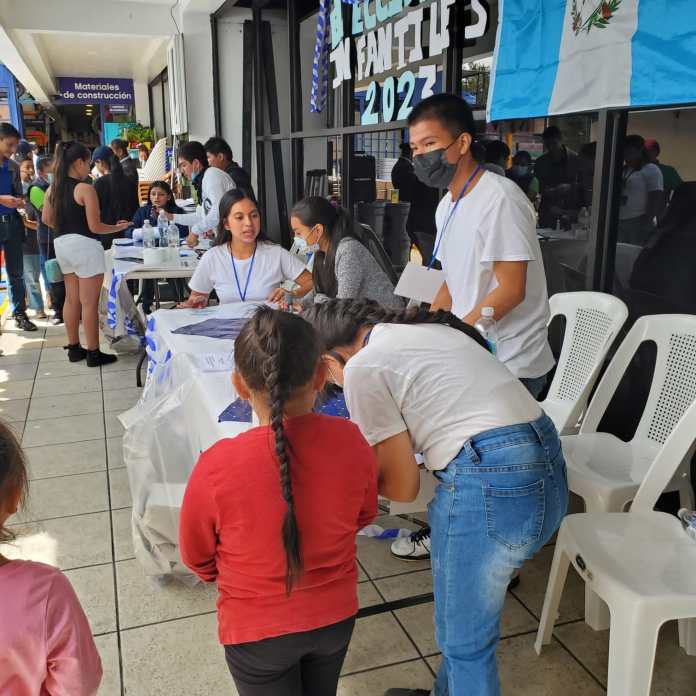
pixel 563 56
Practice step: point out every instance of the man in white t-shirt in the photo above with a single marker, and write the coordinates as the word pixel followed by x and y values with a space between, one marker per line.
pixel 642 194
pixel 488 248
pixel 487 242
pixel 210 183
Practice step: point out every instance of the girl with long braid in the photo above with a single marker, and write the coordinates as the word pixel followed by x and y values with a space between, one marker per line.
pixel 271 516
pixel 425 382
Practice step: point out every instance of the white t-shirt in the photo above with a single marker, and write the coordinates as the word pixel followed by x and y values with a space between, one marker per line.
pixel 496 222
pixel 272 266
pixel 637 185
pixel 435 382
pixel 215 185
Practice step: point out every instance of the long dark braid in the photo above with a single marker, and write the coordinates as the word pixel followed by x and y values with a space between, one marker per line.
pixel 277 353
pixel 338 321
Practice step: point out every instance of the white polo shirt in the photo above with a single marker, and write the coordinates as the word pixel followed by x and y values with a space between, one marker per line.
pixel 496 222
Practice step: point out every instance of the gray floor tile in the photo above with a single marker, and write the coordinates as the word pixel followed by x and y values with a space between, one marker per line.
pixel 377 641
pixel 65 405
pixel 418 622
pixel 408 585
pixel 16 373
pixel 143 600
pixel 120 400
pixel 123 534
pixel 368 595
pixel 66 543
pixel 19 389
pixel 14 409
pixel 95 590
pixel 108 650
pixel 413 675
pixel 126 363
pixel 177 658
pixel 120 488
pixel 674 673
pixel 114 451
pixel 56 431
pixel 50 369
pixel 71 384
pixel 66 496
pixel 534 577
pixel 523 673
pixel 113 425
pixel 120 379
pixel 70 458
pixel 54 354
pixel 19 356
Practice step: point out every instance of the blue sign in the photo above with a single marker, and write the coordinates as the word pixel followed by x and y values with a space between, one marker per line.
pixel 95 90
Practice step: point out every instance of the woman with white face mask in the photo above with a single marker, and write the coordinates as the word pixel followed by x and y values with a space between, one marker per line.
pixel 343 266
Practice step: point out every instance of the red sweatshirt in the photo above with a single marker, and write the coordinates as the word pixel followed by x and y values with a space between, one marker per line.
pixel 232 516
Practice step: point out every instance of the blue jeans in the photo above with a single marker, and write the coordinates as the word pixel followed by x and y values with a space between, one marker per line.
pixel 499 501
pixel 32 275
pixel 11 239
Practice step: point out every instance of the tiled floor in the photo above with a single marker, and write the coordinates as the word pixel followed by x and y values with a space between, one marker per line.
pixel 160 637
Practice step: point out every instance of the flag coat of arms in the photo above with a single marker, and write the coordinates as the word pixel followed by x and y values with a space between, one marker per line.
pixel 568 56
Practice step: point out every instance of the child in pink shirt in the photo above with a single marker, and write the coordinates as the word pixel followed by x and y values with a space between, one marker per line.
pixel 46 645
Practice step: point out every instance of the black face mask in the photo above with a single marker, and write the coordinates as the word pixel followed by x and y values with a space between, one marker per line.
pixel 433 169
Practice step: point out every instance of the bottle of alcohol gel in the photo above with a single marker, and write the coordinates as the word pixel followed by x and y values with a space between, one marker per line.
pixel 488 328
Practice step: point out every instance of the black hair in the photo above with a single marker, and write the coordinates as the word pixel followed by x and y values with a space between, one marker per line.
pixel 522 155
pixel 338 224
pixel 143 148
pixel 13 472
pixel 120 144
pixel 43 162
pixel 589 150
pixel 405 150
pixel 170 206
pixel 496 150
pixel 450 110
pixel 638 142
pixel 277 353
pixel 7 130
pixel 338 321
pixel 67 153
pixel 218 146
pixel 227 202
pixel 192 151
pixel 124 197
pixel 552 133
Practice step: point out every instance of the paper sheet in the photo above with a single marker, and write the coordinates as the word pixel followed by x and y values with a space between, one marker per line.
pixel 419 283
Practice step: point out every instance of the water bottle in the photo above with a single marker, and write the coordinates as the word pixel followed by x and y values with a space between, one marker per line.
pixel 162 227
pixel 488 328
pixel 148 235
pixel 172 236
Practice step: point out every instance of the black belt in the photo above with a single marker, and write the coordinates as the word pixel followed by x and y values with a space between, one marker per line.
pixel 8 217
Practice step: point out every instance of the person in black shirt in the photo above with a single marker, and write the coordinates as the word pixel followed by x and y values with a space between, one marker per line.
pixel 219 155
pixel 423 199
pixel 118 193
pixel 558 171
pixel 120 149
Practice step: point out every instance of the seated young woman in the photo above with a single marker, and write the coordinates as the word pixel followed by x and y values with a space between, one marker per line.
pixel 343 266
pixel 159 197
pixel 242 265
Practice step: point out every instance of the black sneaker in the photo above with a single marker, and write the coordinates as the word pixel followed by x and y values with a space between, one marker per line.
pixel 75 352
pixel 413 548
pixel 95 358
pixel 23 323
pixel 407 692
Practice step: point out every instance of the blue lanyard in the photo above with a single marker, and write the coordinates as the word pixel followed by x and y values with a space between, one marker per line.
pixel 242 296
pixel 451 214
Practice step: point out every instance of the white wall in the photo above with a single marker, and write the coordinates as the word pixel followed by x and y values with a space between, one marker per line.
pixel 142 102
pixel 675 130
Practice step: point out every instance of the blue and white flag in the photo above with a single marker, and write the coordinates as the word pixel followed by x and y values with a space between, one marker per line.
pixel 566 56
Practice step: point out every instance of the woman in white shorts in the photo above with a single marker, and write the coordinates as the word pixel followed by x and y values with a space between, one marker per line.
pixel 72 211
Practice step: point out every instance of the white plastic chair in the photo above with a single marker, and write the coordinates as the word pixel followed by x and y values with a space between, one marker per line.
pixel 593 320
pixel 607 472
pixel 641 563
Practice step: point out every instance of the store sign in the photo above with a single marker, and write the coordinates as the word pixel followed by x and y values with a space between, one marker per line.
pixel 375 46
pixel 91 90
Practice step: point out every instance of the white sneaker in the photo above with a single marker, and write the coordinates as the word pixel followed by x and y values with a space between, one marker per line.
pixel 413 548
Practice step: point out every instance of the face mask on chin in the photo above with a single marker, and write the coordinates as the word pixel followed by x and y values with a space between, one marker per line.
pixel 433 169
